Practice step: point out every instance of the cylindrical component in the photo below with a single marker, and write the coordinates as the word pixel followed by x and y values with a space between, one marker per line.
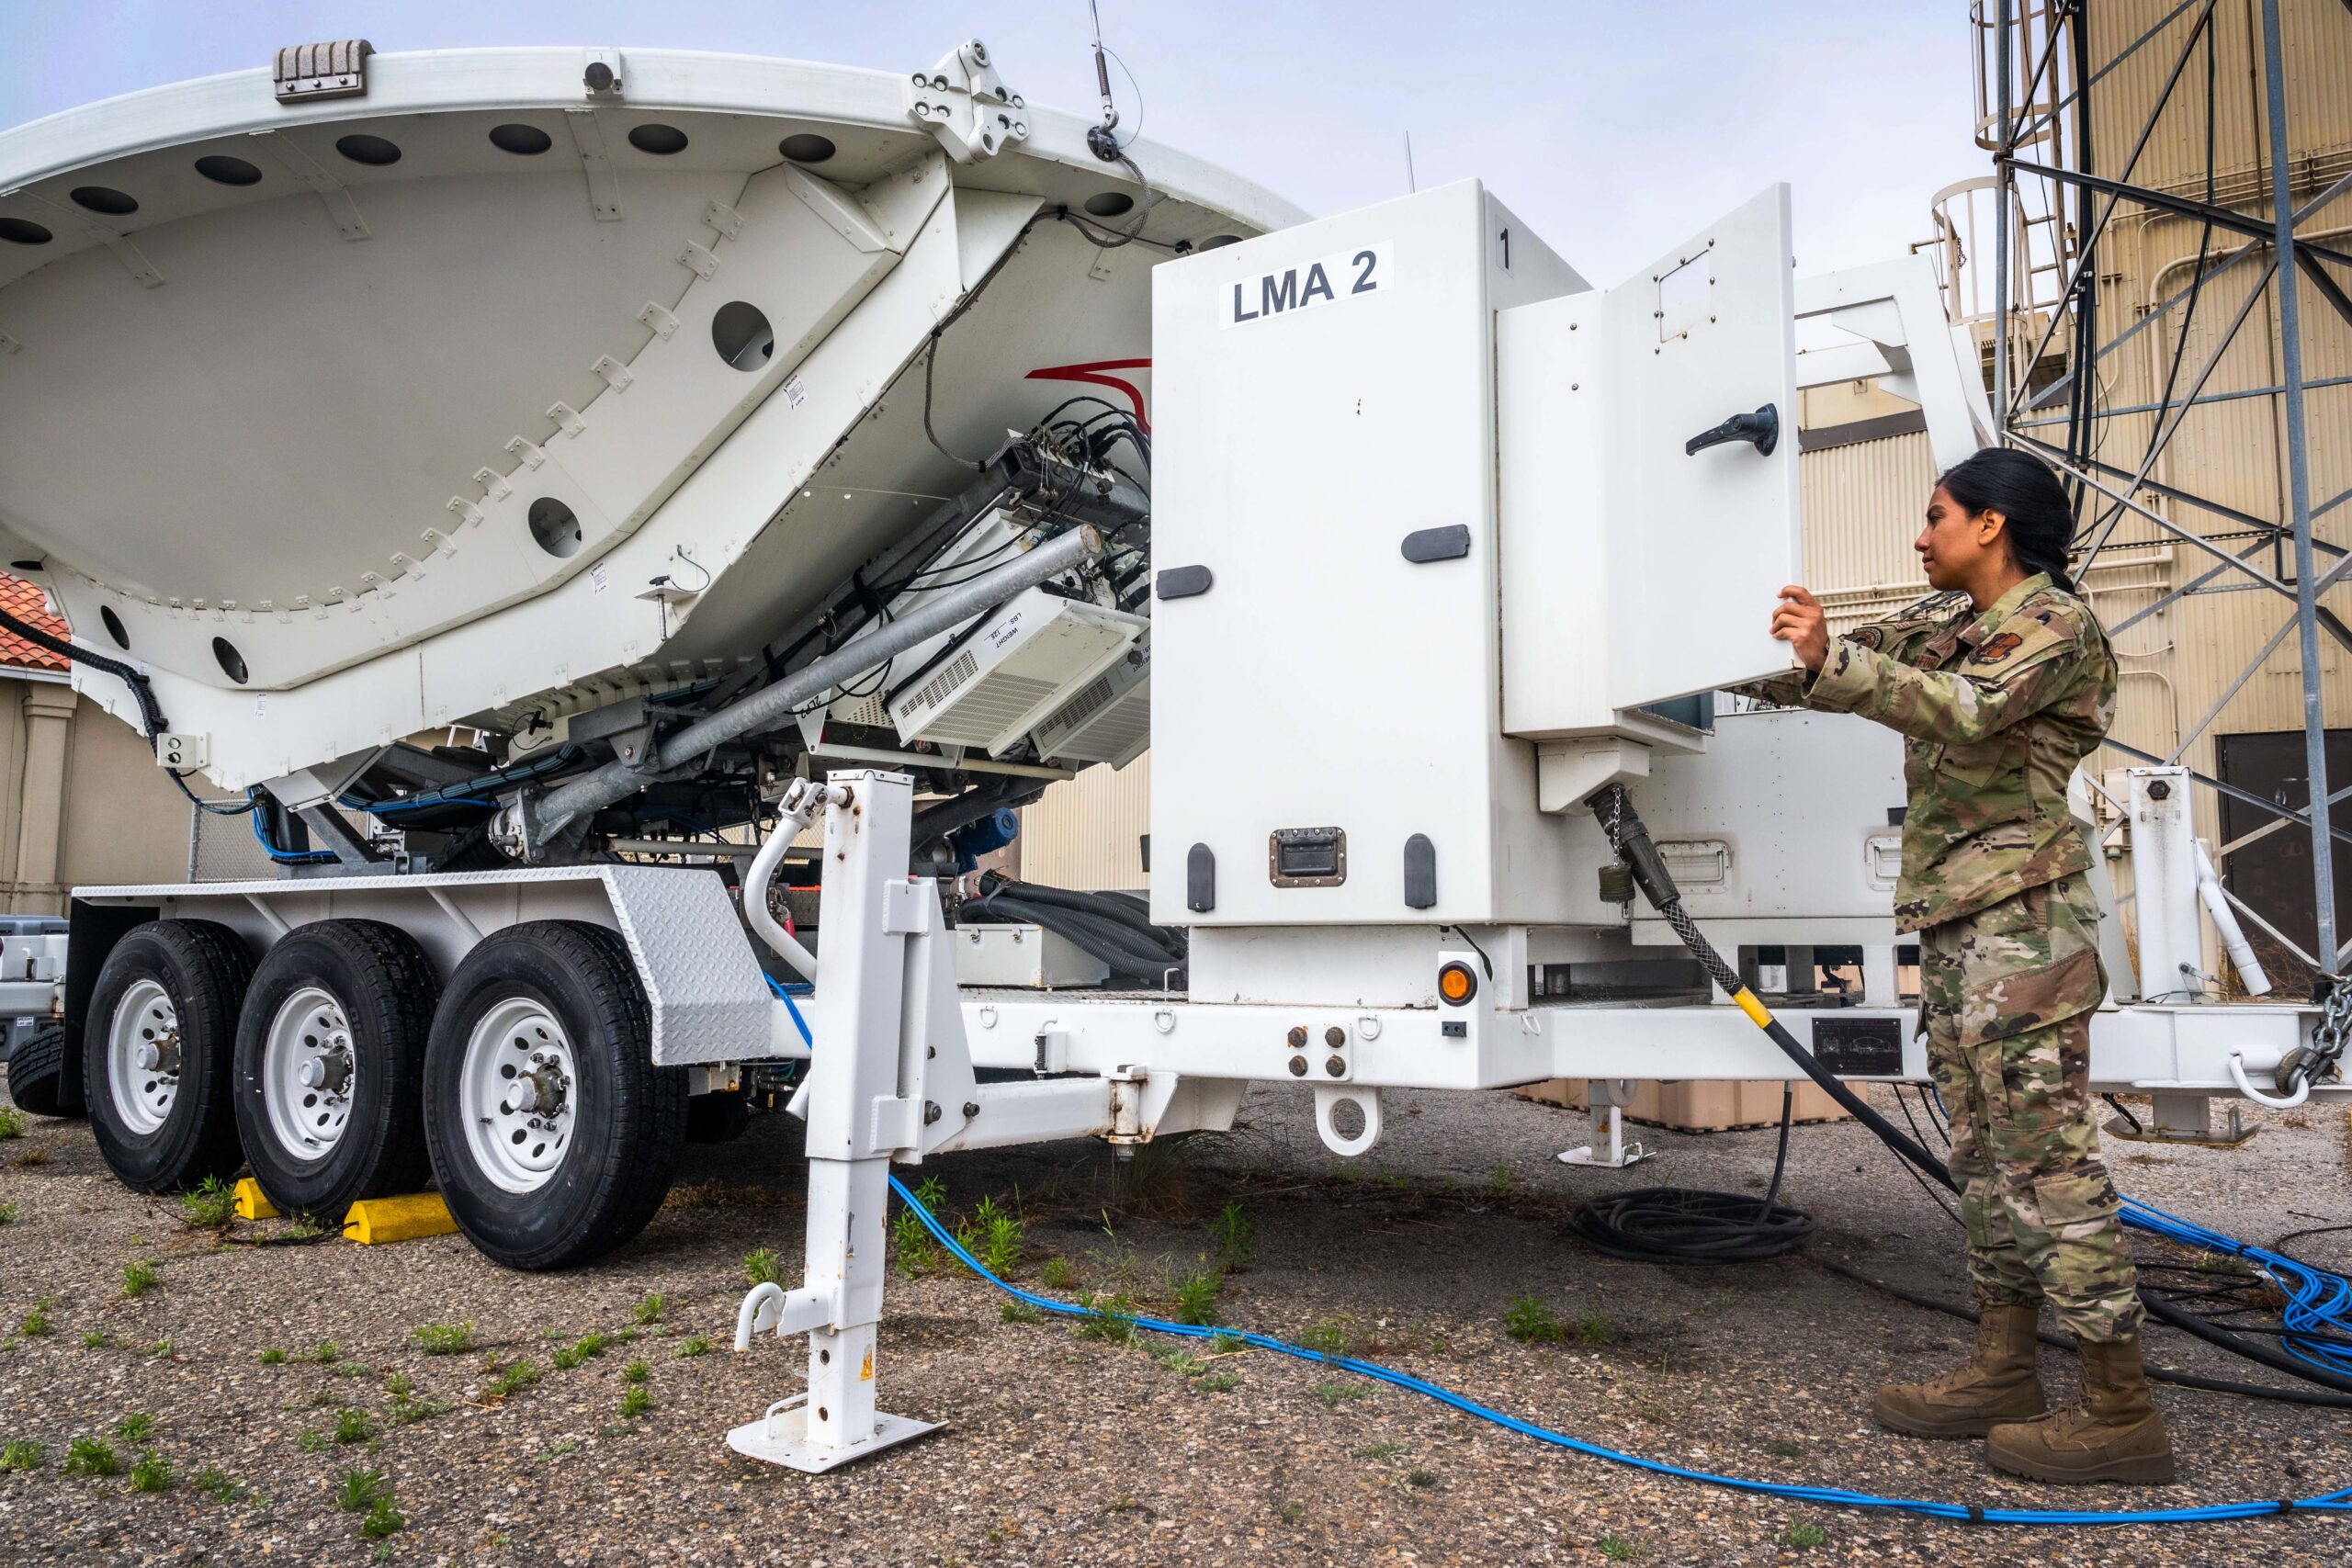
pixel 991 833
pixel 2225 923
pixel 774 705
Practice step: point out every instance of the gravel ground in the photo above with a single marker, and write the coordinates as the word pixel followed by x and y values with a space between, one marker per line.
pixel 1064 1449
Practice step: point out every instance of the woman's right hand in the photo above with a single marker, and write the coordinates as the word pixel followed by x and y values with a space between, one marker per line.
pixel 1801 622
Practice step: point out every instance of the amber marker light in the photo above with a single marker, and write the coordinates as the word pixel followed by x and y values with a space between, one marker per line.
pixel 1458 983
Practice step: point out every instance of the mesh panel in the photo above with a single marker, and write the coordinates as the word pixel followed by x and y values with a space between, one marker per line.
pixel 222 849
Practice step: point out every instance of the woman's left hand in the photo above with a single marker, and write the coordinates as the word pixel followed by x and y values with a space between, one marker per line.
pixel 1799 622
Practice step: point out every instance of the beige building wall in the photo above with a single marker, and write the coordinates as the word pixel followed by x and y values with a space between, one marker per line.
pixel 81 801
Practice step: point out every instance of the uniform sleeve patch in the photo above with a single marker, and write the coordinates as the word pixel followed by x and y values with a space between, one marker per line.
pixel 1995 649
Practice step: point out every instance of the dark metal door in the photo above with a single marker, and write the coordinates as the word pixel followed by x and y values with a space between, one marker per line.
pixel 2273 874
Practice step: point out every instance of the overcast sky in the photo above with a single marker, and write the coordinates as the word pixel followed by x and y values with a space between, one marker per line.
pixel 1613 129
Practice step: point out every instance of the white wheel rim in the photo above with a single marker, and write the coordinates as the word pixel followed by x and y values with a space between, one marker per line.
pixel 518 1094
pixel 143 1056
pixel 310 1071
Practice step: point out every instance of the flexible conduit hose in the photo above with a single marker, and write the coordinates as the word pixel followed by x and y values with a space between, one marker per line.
pixel 2337 1502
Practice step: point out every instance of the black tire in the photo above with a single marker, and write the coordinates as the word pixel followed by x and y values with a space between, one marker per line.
pixel 202 968
pixel 36 1072
pixel 384 990
pixel 628 1116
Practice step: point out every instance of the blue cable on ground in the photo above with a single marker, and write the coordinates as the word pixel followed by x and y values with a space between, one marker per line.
pixel 2338 1502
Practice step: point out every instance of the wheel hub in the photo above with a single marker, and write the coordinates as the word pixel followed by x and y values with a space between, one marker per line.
pixel 143 1056
pixel 515 1094
pixel 308 1072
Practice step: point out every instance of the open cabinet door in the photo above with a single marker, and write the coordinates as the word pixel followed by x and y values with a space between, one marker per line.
pixel 1636 569
pixel 1699 540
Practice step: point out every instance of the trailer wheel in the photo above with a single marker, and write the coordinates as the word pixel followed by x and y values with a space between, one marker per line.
pixel 553 1135
pixel 157 1045
pixel 330 1060
pixel 36 1072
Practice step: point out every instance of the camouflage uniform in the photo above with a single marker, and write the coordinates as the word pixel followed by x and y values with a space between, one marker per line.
pixel 1995 711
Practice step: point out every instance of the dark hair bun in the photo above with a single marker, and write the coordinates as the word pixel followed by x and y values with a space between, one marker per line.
pixel 2024 489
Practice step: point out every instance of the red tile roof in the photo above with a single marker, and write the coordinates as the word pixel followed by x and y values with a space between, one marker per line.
pixel 25 601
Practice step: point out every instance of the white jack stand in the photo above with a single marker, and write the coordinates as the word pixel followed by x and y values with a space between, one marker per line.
pixel 1608 1150
pixel 871 1018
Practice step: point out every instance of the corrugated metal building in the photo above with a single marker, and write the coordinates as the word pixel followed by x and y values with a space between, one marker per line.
pixel 1867 469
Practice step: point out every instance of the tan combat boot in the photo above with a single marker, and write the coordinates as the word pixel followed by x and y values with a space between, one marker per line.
pixel 2114 1435
pixel 1996 1384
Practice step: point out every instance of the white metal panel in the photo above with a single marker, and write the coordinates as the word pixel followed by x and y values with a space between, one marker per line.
pixel 1703 540
pixel 1637 571
pixel 1323 393
pixel 709 1001
pixel 1806 810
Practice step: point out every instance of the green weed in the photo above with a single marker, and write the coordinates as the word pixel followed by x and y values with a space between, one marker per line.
pixel 273 1356
pixel 357 1491
pixel 445 1338
pixel 648 1312
pixel 1784 1448
pixel 94 1339
pixel 636 1371
pixel 636 1400
pixel 763 1267
pixel 1225 1344
pixel 697 1346
pixel 1109 1318
pixel 139 1277
pixel 1530 1322
pixel 1019 1312
pixel 381 1520
pixel 151 1473
pixel 1196 1296
pixel 1002 1238
pixel 352 1427
pixel 1594 1329
pixel 1380 1452
pixel 327 1354
pixel 1327 1338
pixel 1617 1549
pixel 1235 1239
pixel 1334 1394
pixel 36 1323
pixel 7 1213
pixel 23 1453
pixel 1218 1383
pixel 134 1428
pixel 215 1483
pixel 1499 1183
pixel 1804 1536
pixel 589 1344
pixel 91 1456
pixel 523 1374
pixel 1061 1274
pixel 911 1241
pixel 1177 1360
pixel 12 1123
pixel 209 1205
pixel 313 1442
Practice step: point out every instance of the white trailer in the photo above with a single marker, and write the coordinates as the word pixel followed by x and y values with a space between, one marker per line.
pixel 649 414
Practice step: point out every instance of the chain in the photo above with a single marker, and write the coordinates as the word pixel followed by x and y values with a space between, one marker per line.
pixel 2328 1040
